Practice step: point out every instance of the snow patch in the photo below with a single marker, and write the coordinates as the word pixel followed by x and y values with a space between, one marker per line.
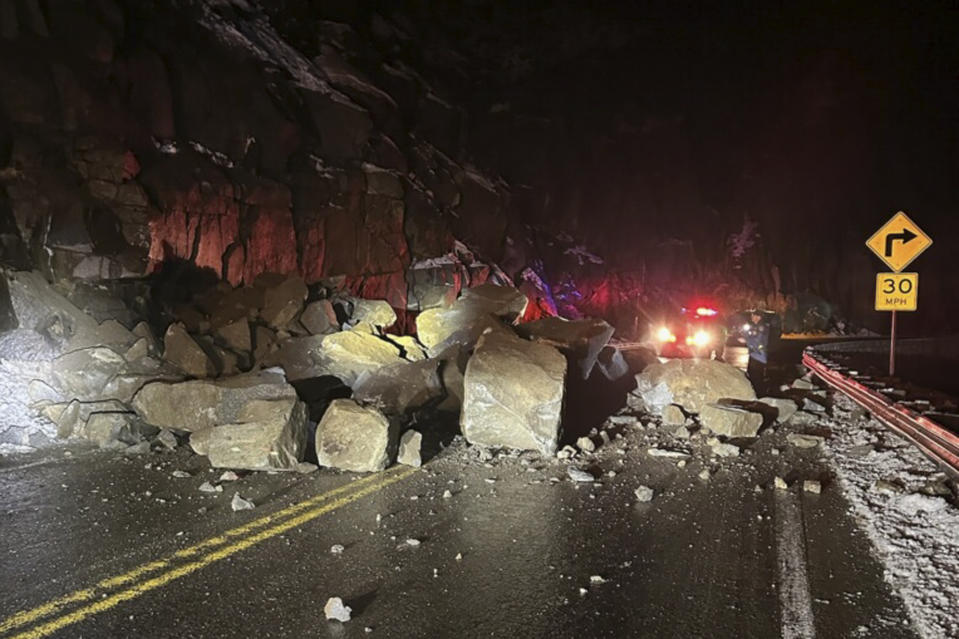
pixel 913 534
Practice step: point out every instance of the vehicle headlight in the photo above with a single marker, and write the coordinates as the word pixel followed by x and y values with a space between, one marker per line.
pixel 701 338
pixel 665 335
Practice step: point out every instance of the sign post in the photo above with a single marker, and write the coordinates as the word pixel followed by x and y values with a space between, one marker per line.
pixel 897 243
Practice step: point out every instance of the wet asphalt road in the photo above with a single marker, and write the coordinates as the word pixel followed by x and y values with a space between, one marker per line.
pixel 704 558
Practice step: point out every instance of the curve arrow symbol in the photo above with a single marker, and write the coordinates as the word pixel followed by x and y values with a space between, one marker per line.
pixel 906 236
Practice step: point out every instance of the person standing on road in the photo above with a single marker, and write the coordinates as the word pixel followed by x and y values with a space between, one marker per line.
pixel 757 341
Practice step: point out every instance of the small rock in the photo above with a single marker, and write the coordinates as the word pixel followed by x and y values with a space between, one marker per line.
pixel 681 463
pixel 207 487
pixel 681 433
pixel 335 609
pixel 597 579
pixel 413 543
pixel 803 418
pixel 239 503
pixel 337 549
pixel 447 494
pixel 862 450
pixel 780 484
pixel 812 486
pixel 800 440
pixel 411 443
pixel 229 476
pixel 666 452
pixel 936 488
pixel 722 449
pixel 811 406
pixel 566 452
pixel 578 475
pixel 644 494
pixel 804 384
pixel 180 474
pixel 704 475
pixel 888 487
pixel 305 468
pixel 167 438
pixel 585 444
pixel 459 556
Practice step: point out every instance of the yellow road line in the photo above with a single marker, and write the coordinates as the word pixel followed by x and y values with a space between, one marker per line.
pixel 86 594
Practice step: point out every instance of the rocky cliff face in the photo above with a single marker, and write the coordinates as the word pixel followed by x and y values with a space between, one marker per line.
pixel 134 134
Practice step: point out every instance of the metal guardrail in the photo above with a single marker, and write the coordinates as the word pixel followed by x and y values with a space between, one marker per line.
pixel 939 444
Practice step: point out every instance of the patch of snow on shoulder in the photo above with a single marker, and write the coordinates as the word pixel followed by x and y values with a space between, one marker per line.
pixel 913 534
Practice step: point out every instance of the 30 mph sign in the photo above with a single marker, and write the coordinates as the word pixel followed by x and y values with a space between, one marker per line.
pixel 897 291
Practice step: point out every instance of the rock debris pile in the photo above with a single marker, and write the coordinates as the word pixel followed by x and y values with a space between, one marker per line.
pixel 262 378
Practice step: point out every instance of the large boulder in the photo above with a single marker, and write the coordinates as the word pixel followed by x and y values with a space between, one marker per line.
pixel 580 340
pixel 269 434
pixel 412 349
pixel 401 388
pixel 612 364
pixel 22 426
pixel 349 354
pixel 469 316
pixel 730 421
pixel 84 374
pixel 319 318
pixel 377 313
pixel 346 355
pixel 110 429
pixel 297 356
pixel 283 300
pixel 181 350
pixel 452 369
pixel 72 417
pixel 36 305
pixel 785 407
pixel 200 404
pixel 354 437
pixel 690 383
pixel 513 394
pixel 235 335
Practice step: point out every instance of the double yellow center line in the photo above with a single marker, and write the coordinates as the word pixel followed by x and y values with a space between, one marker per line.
pixel 112 591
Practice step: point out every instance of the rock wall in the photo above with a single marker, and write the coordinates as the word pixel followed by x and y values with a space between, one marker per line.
pixel 138 133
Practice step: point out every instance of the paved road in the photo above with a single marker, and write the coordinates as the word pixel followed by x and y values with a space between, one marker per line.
pixel 506 555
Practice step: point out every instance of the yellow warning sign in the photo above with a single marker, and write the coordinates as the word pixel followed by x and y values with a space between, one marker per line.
pixel 897 291
pixel 899 241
